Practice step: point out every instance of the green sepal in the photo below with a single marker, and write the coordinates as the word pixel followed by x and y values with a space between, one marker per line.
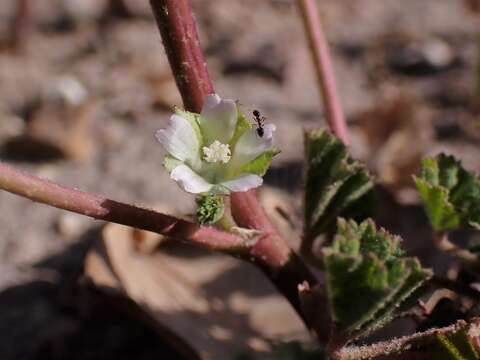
pixel 210 209
pixel 193 119
pixel 170 163
pixel 368 278
pixel 243 125
pixel 336 185
pixel 260 164
pixel 450 194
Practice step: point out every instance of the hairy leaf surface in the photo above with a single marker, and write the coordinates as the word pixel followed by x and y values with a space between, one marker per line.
pixel 368 277
pixel 450 194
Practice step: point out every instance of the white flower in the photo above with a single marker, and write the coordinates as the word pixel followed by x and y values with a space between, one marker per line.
pixel 217 151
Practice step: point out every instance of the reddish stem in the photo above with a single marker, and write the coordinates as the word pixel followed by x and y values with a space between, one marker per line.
pixel 47 192
pixel 178 29
pixel 271 253
pixel 180 39
pixel 273 249
pixel 323 66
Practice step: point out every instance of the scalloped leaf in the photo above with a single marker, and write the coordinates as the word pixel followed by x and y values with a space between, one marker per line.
pixel 367 278
pixel 334 183
pixel 450 194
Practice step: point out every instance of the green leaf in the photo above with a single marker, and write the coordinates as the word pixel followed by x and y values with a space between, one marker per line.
pixel 368 277
pixel 210 209
pixel 335 183
pixel 451 194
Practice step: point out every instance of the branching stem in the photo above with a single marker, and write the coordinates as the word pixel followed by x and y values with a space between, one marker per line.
pixel 271 252
pixel 47 192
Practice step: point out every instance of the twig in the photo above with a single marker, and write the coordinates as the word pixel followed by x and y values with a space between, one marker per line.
pixel 47 192
pixel 324 69
pixel 272 252
pixel 434 299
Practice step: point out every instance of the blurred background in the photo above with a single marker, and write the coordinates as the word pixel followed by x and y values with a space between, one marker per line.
pixel 84 84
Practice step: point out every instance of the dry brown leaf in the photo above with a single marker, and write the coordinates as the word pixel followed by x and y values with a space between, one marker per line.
pixel 399 133
pixel 221 306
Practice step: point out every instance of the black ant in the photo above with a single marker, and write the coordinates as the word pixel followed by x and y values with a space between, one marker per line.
pixel 259 120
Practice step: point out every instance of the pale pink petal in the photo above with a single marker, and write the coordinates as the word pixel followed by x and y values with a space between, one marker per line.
pixel 218 119
pixel 189 180
pixel 243 183
pixel 179 139
pixel 250 145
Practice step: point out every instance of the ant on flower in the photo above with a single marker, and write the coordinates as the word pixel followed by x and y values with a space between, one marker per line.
pixel 259 120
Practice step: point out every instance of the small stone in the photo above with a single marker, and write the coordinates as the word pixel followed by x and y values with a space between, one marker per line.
pixel 85 9
pixel 422 57
pixel 438 53
pixel 68 89
pixel 10 125
pixel 70 226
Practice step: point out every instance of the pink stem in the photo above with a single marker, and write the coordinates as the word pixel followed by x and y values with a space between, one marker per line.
pixel 47 192
pixel 324 69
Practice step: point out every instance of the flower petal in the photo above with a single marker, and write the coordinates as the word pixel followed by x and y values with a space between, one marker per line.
pixel 243 183
pixel 251 145
pixel 218 119
pixel 179 139
pixel 189 180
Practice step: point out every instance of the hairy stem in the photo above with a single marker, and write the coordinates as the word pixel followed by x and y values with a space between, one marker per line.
pixel 324 69
pixel 271 252
pixel 47 192
pixel 180 38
